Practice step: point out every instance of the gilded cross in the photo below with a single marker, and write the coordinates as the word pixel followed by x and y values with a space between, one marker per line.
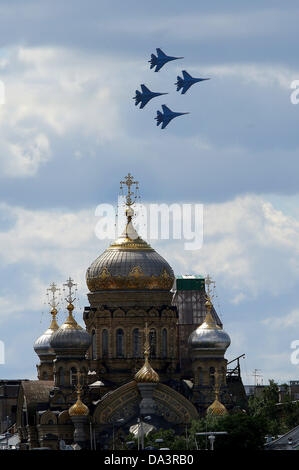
pixel 70 284
pixel 51 293
pixel 217 384
pixel 146 343
pixel 79 386
pixel 129 182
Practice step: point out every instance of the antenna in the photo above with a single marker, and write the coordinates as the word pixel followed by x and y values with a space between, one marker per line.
pixel 256 375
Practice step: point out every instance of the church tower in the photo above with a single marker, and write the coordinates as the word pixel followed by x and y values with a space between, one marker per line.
pixel 208 344
pixel 70 344
pixel 129 285
pixel 42 345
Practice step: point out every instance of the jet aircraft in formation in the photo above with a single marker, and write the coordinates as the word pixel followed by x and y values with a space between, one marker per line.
pixel 160 59
pixel 186 82
pixel 166 116
pixel 145 95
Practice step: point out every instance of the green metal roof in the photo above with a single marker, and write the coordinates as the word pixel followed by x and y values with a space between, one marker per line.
pixel 192 282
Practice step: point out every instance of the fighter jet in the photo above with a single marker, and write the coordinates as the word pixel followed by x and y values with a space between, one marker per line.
pixel 145 96
pixel 186 82
pixel 167 116
pixel 161 59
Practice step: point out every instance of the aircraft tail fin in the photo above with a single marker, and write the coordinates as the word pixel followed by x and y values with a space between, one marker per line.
pixel 153 60
pixel 159 117
pixel 179 83
pixel 137 97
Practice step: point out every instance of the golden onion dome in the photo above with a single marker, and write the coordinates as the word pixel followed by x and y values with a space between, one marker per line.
pixel 216 408
pixel 78 409
pixel 146 374
pixel 129 263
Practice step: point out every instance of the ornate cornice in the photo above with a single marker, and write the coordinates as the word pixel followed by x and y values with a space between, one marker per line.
pixel 134 280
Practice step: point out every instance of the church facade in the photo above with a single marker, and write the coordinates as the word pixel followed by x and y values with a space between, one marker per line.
pixel 97 382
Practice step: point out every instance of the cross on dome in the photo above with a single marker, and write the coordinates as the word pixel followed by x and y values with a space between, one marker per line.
pixel 129 182
pixel 70 284
pixel 51 293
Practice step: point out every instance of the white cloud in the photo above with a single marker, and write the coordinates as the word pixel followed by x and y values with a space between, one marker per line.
pixel 258 74
pixel 51 92
pixel 291 320
pixel 25 158
pixel 250 248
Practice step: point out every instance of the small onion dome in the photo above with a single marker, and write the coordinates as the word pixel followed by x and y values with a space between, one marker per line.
pixel 209 335
pixel 78 409
pixel 146 374
pixel 42 345
pixel 70 338
pixel 217 408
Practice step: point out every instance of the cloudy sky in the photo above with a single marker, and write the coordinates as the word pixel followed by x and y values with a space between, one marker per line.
pixel 69 131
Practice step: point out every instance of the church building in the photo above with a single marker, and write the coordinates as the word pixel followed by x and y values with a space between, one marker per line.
pixel 141 353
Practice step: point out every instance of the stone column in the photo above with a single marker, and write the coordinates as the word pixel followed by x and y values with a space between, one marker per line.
pixel 80 436
pixel 147 405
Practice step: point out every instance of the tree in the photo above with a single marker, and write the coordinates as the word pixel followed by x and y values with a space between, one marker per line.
pixel 243 431
pixel 279 417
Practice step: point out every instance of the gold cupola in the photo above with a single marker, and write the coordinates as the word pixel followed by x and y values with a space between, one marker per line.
pixel 146 374
pixel 129 263
pixel 217 408
pixel 79 409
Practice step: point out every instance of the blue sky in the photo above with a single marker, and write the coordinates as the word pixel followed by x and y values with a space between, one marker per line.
pixel 70 131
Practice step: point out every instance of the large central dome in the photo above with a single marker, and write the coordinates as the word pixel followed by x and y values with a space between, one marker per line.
pixel 129 263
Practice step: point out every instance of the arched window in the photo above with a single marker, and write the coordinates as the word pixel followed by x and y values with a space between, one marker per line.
pixel 105 343
pixel 45 375
pixel 93 345
pixel 61 376
pixel 164 343
pixel 212 375
pixel 119 343
pixel 152 340
pixel 136 343
pixel 73 376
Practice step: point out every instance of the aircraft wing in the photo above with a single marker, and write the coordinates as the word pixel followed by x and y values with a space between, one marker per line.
pixel 166 121
pixel 160 53
pixel 144 101
pixel 144 89
pixel 186 87
pixel 165 109
pixel 159 66
pixel 186 75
